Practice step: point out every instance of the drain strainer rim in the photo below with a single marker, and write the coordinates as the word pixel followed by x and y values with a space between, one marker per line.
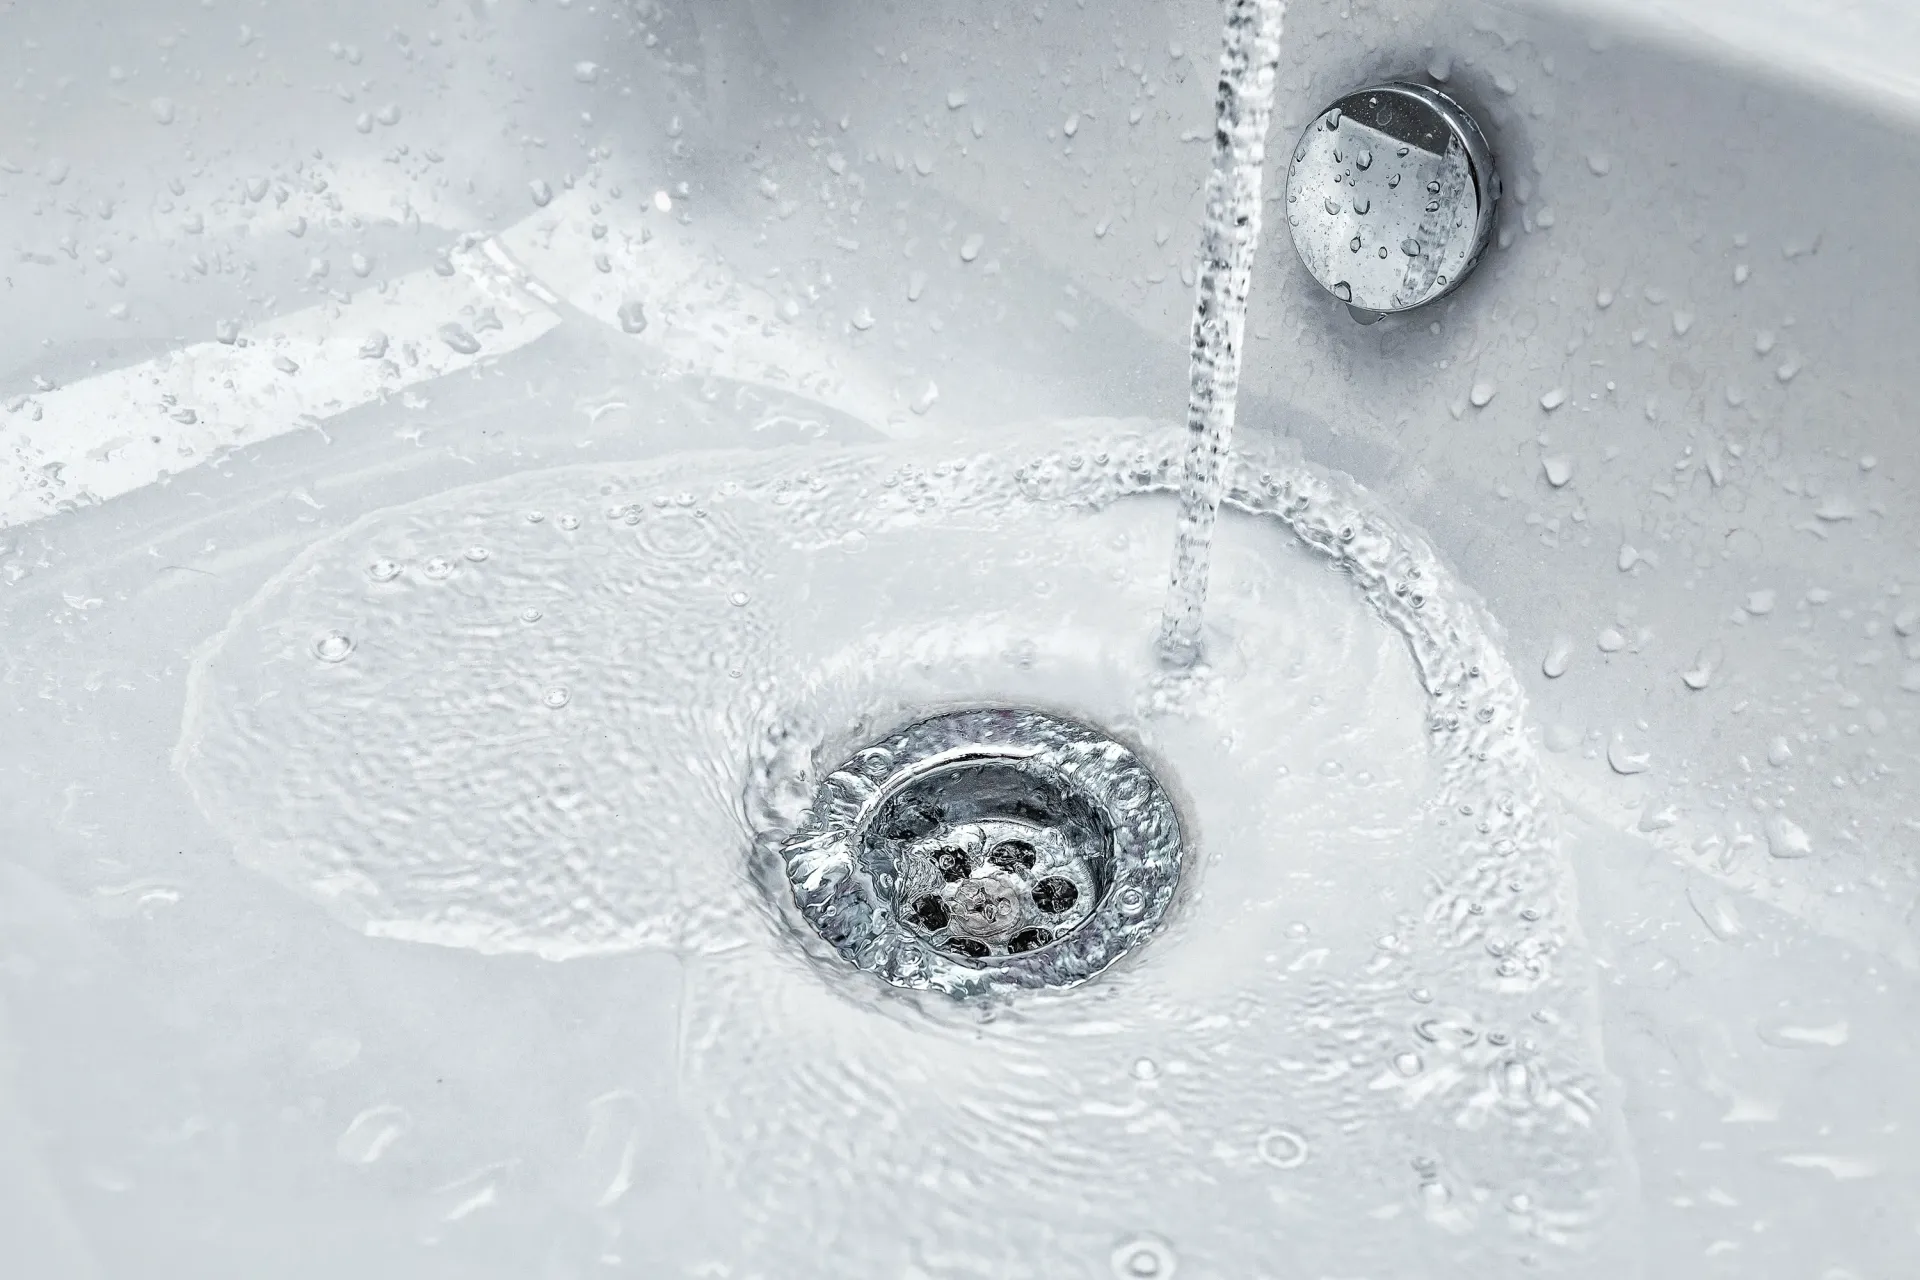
pixel 831 875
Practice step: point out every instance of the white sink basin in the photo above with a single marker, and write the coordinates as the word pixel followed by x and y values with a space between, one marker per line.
pixel 273 271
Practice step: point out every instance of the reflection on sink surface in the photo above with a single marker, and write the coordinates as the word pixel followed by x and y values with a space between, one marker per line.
pixel 408 915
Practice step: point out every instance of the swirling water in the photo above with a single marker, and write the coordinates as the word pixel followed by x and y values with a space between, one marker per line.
pixel 1365 1039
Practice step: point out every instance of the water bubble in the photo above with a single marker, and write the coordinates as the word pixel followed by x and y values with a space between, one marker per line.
pixel 1407 1064
pixel 1282 1148
pixel 557 697
pixel 383 570
pixel 738 599
pixel 477 554
pixel 1131 900
pixel 333 647
pixel 632 316
pixel 569 522
pixel 531 615
pixel 1144 1258
pixel 437 568
pixel 1145 1069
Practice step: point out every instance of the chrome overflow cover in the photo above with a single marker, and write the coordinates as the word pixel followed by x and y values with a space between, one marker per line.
pixel 1391 198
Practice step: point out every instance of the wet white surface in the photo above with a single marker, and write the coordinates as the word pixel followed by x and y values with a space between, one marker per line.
pixel 1662 432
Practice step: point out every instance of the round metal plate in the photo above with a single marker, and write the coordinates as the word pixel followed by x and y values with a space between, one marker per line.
pixel 1391 197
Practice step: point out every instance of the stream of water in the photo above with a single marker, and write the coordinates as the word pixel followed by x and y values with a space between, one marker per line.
pixel 1230 237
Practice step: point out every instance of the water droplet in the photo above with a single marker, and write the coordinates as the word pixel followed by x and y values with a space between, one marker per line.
pixel 586 72
pixel 333 647
pixel 1354 244
pixel 1333 119
pixel 1145 1069
pixel 370 1134
pixel 285 364
pixel 1553 399
pixel 531 615
pixel 1410 247
pixel 1787 839
pixel 1364 160
pixel 738 599
pixel 1559 654
pixel 1779 753
pixel 1282 1148
pixel 373 346
pixel 1072 125
pixel 557 697
pixel 568 522
pixel 1131 900
pixel 163 111
pixel 971 246
pixel 457 337
pixel 1343 291
pixel 1144 1258
pixel 1332 206
pixel 1558 466
pixel 383 570
pixel 1407 1064
pixel 477 554
pixel 541 192
pixel 1599 165
pixel 437 568
pixel 1362 205
pixel 632 316
pixel 1482 394
pixel 1625 760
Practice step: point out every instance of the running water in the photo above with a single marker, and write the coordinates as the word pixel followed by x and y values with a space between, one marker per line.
pixel 1229 240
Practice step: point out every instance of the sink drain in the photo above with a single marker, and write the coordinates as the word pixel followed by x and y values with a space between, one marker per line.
pixel 986 849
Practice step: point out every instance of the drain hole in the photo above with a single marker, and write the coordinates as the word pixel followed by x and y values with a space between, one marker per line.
pixel 987 836
pixel 1054 895
pixel 1028 940
pixel 952 864
pixel 930 914
pixel 1014 855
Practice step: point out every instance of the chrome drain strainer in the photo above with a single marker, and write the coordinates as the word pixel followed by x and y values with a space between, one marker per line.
pixel 984 850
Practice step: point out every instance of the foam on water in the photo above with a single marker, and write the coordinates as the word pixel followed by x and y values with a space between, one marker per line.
pixel 1373 955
